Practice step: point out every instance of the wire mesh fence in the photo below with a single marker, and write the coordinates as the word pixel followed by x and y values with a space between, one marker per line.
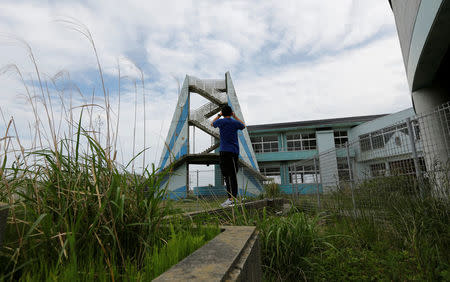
pixel 210 183
pixel 407 159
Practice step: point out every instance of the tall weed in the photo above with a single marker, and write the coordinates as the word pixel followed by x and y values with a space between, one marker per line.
pixel 286 244
pixel 74 210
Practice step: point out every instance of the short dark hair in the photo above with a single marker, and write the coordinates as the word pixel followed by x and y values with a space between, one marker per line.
pixel 226 110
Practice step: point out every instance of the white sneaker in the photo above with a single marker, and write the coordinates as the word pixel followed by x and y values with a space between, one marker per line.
pixel 227 203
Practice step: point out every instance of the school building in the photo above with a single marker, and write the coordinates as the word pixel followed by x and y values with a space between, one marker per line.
pixel 304 156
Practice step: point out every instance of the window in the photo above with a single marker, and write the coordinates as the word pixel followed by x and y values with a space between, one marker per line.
pixel 403 167
pixel 343 171
pixel 444 117
pixel 301 141
pixel 378 139
pixel 264 144
pixel 294 142
pixel 272 171
pixel 303 174
pixel 403 128
pixel 378 169
pixel 364 142
pixel 416 129
pixel 309 141
pixel 388 132
pixel 340 139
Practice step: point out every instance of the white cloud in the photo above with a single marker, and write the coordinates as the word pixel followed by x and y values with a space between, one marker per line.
pixel 364 81
pixel 290 60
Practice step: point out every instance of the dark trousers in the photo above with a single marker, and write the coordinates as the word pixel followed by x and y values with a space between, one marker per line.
pixel 229 167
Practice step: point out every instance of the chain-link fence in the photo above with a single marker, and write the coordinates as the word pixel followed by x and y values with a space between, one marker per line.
pixel 407 159
pixel 210 183
pixel 202 183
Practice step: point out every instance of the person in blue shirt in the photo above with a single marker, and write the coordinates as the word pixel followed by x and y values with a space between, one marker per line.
pixel 229 149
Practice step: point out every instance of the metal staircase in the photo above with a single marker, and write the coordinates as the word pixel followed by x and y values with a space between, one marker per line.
pixel 213 91
pixel 210 149
pixel 206 127
pixel 176 156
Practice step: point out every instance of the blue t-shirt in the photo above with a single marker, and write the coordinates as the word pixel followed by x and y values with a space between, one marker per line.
pixel 228 128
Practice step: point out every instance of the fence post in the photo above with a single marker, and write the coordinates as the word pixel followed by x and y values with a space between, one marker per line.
pixel 317 183
pixel 414 154
pixel 350 176
pixel 197 191
pixel 296 181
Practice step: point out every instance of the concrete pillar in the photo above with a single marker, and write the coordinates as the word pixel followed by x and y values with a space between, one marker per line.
pixel 3 216
pixel 327 159
pixel 427 99
pixel 284 173
pixel 218 177
pixel 434 132
pixel 282 142
pixel 361 169
pixel 388 169
pixel 177 183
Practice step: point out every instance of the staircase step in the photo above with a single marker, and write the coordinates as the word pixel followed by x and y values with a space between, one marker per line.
pixel 206 128
pixel 210 149
pixel 204 112
pixel 210 93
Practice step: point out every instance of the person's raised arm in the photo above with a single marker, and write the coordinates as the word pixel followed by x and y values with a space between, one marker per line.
pixel 216 118
pixel 236 118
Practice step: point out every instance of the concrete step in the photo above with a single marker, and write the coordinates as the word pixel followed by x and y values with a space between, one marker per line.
pixel 204 112
pixel 210 149
pixel 211 94
pixel 206 127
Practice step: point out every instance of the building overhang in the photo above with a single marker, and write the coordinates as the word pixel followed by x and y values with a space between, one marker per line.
pixel 423 28
pixel 422 69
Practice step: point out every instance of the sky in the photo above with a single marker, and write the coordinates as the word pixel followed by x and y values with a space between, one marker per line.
pixel 289 60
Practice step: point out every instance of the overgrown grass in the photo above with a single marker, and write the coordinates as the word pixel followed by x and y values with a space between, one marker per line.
pixel 76 213
pixel 73 213
pixel 398 230
pixel 272 190
pixel 286 244
pixel 180 244
pixel 395 233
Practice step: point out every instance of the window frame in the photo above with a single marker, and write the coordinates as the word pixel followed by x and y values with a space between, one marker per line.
pixel 300 171
pixel 260 145
pixel 271 174
pixel 301 141
pixel 340 140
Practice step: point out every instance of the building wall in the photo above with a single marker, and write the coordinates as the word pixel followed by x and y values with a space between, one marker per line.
pixel 327 159
pixel 422 28
pixel 390 151
pixel 379 123
pixel 330 156
pixel 284 158
pixel 407 13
